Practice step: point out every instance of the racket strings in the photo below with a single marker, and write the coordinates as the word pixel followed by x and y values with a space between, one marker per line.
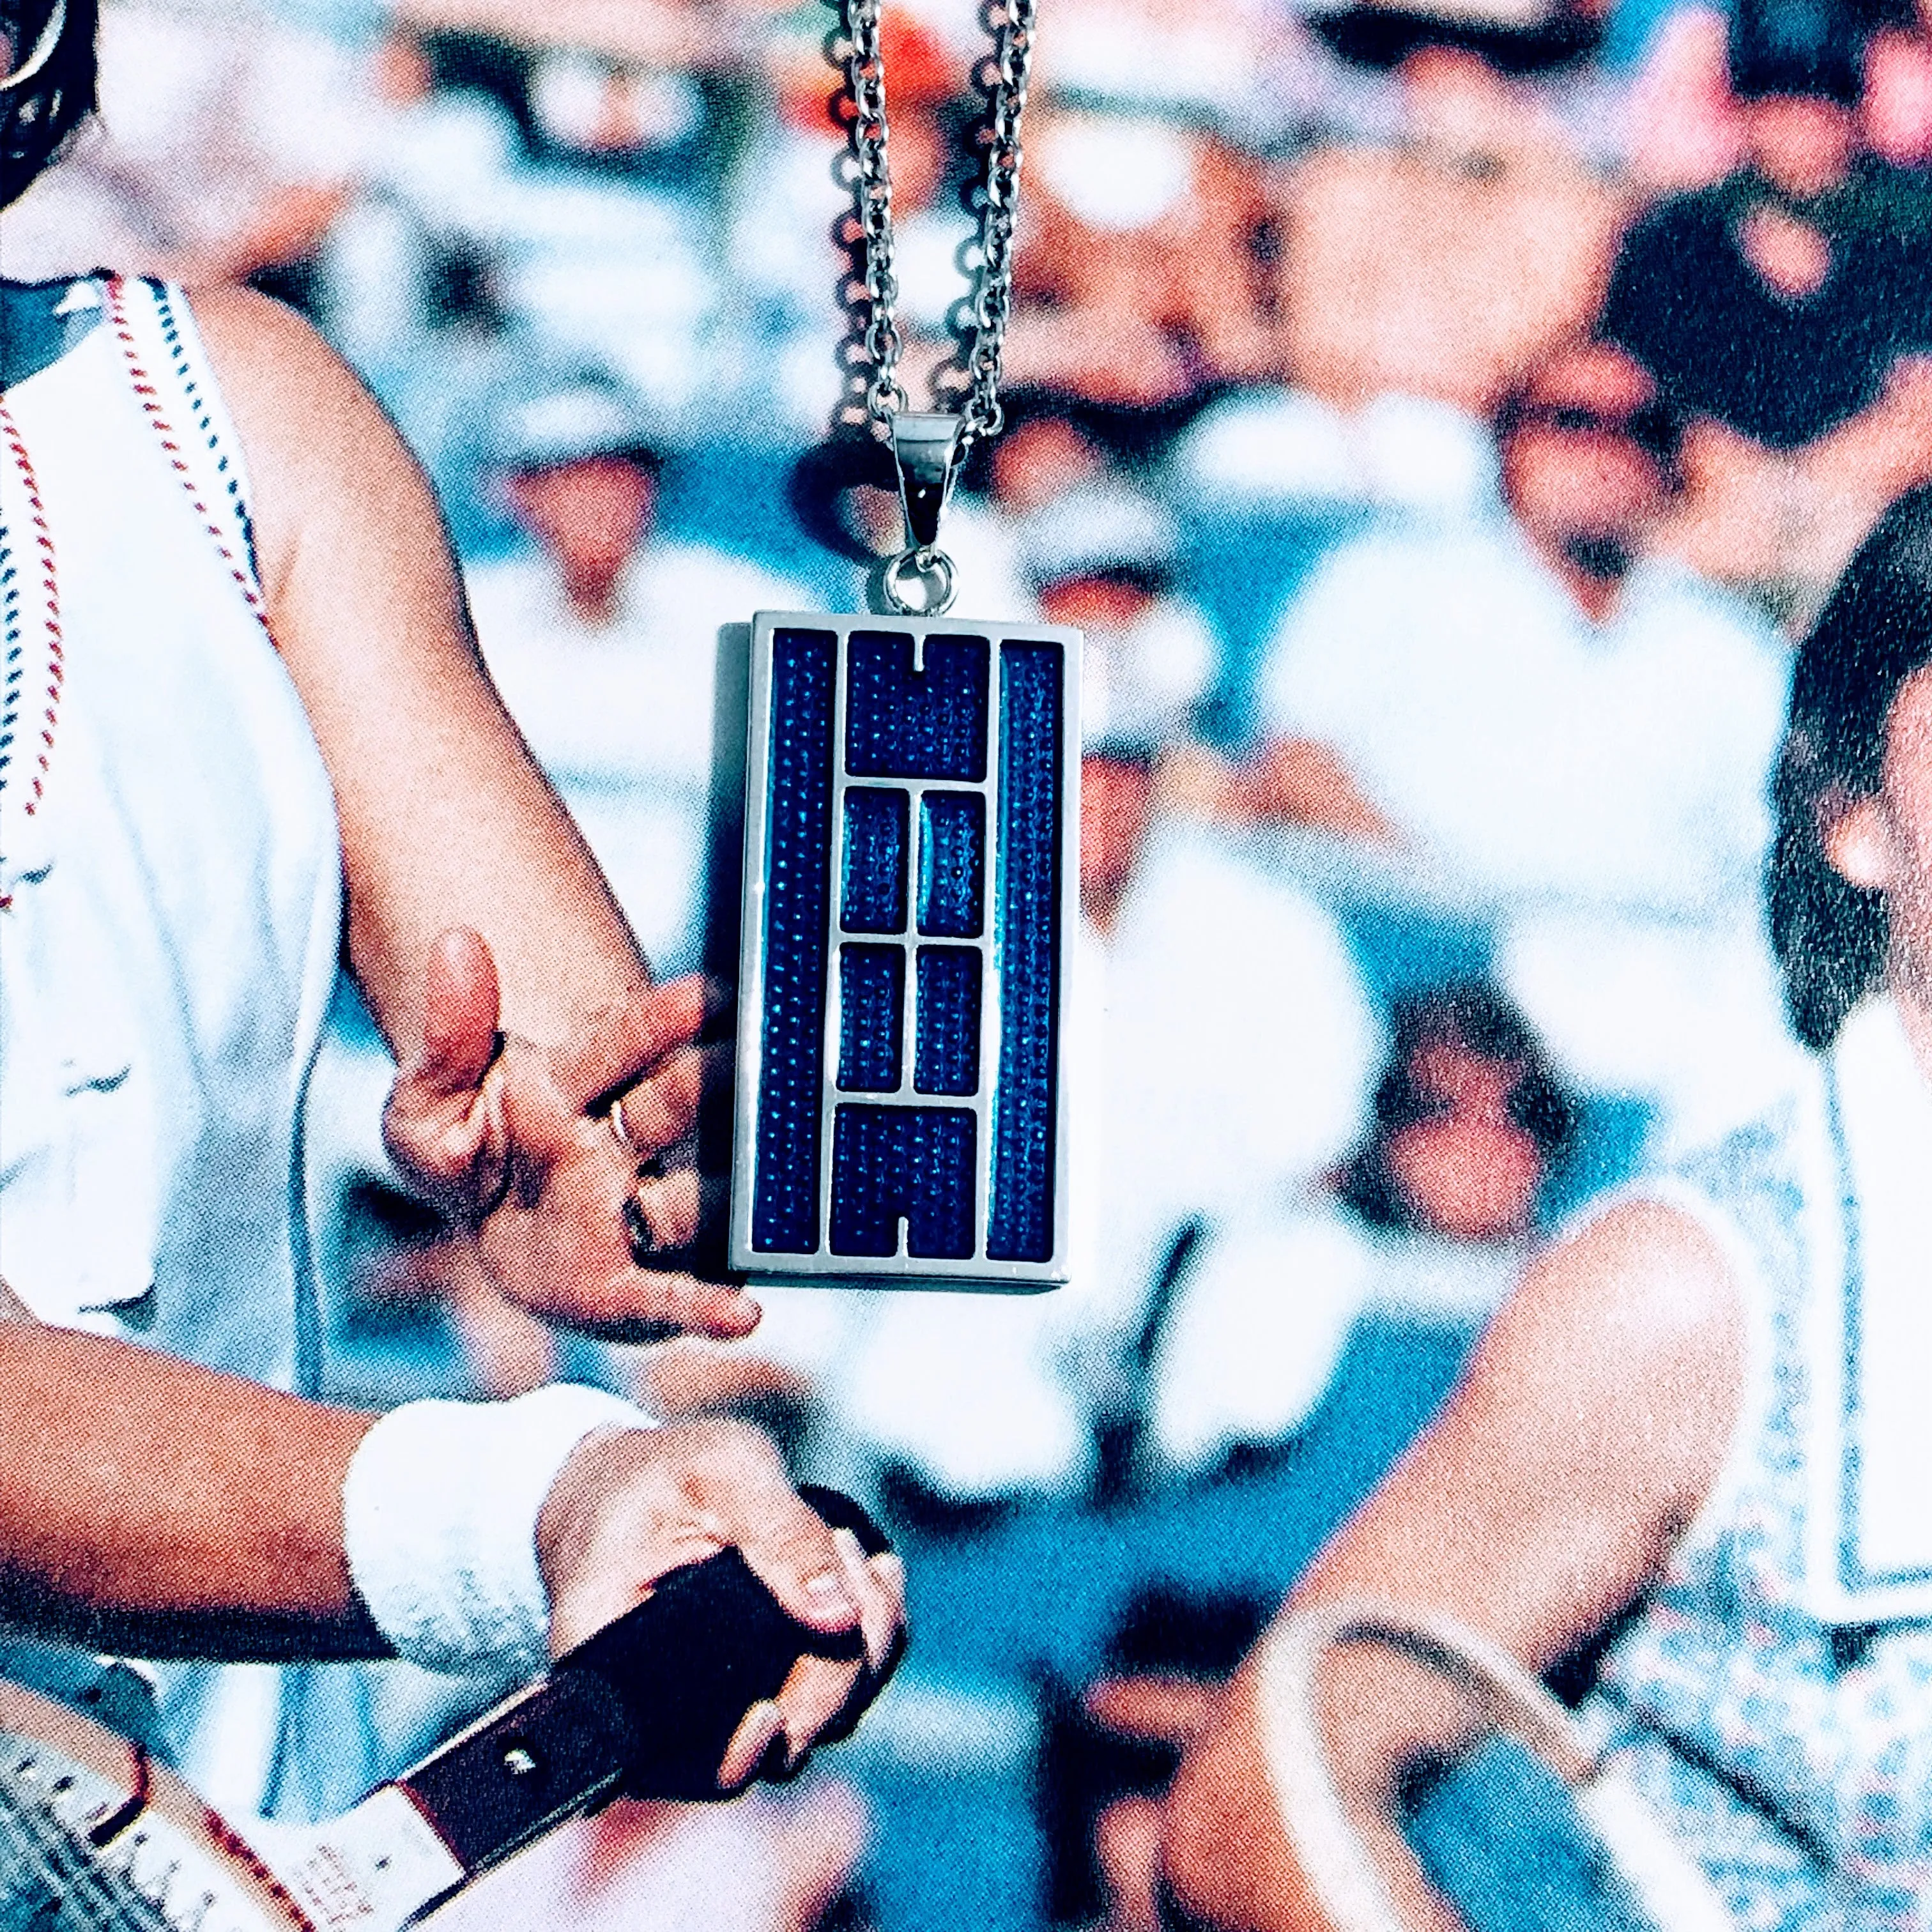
pixel 51 1879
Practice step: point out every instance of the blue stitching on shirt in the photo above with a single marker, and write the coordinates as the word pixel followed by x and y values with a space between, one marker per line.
pixel 16 655
pixel 171 334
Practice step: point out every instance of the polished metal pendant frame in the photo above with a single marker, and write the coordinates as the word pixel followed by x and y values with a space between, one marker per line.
pixel 863 1153
pixel 927 445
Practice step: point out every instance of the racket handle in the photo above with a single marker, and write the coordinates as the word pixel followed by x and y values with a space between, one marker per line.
pixel 644 1708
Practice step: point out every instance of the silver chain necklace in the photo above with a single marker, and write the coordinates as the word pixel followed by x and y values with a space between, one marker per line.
pixel 929 445
pixel 911 845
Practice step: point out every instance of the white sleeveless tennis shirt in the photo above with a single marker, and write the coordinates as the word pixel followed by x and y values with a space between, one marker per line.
pixel 170 901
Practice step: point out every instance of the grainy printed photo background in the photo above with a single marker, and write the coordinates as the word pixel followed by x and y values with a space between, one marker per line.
pixel 1441 425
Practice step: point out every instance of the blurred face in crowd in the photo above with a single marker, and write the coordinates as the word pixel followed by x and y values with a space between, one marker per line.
pixel 400 70
pixel 1116 797
pixel 1799 142
pixel 591 517
pixel 1455 99
pixel 1577 470
pixel 1467 1169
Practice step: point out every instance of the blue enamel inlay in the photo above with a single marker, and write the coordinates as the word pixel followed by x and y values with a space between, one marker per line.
pixel 946 1051
pixel 798 906
pixel 930 724
pixel 1027 938
pixel 952 864
pixel 916 1163
pixel 872 990
pixel 872 896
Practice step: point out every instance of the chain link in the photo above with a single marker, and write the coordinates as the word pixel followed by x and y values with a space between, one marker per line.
pixel 999 213
pixel 866 63
pixel 999 199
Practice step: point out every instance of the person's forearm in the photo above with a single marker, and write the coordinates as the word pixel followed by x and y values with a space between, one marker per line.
pixel 500 857
pixel 445 820
pixel 1238 1852
pixel 152 1508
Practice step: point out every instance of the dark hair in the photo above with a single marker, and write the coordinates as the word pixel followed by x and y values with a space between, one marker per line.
pixel 1373 34
pixel 36 120
pixel 1478 1018
pixel 1830 936
pixel 1812 48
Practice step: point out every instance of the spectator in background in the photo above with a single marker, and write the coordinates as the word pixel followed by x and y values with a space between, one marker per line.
pixel 1469 1123
pixel 1144 267
pixel 1789 309
pixel 1102 559
pixel 1440 263
pixel 1274 1081
pixel 1542 722
pixel 1470 1127
pixel 1221 1046
pixel 603 639
pixel 1778 302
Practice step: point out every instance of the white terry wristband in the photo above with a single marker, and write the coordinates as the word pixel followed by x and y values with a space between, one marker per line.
pixel 439 1513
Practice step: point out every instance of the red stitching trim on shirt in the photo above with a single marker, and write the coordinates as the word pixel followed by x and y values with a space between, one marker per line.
pixel 43 542
pixel 148 396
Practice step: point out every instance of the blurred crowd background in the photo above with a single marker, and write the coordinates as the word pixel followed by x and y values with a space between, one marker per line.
pixel 1440 422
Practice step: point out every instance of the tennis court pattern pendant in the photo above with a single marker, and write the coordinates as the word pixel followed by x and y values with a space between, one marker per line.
pixel 911 882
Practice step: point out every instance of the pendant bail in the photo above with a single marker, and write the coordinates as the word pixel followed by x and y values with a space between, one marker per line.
pixel 926 447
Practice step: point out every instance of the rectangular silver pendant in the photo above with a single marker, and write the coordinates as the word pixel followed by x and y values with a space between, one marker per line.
pixel 911 881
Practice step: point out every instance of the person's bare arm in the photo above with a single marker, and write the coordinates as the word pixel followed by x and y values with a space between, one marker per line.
pixel 1592 1423
pixel 152 1508
pixel 449 830
pixel 446 820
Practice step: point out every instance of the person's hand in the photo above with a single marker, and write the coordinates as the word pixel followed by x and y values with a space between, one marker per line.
pixel 630 1506
pixel 572 1168
pixel 1304 782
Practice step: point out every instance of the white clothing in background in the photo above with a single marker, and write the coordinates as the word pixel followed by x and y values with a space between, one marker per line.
pixel 1688 1012
pixel 1281 449
pixel 1600 791
pixel 1528 750
pixel 1222 1050
pixel 1264 1310
pixel 1258 1325
pixel 1238 1051
pixel 210 110
pixel 620 715
pixel 1141 683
